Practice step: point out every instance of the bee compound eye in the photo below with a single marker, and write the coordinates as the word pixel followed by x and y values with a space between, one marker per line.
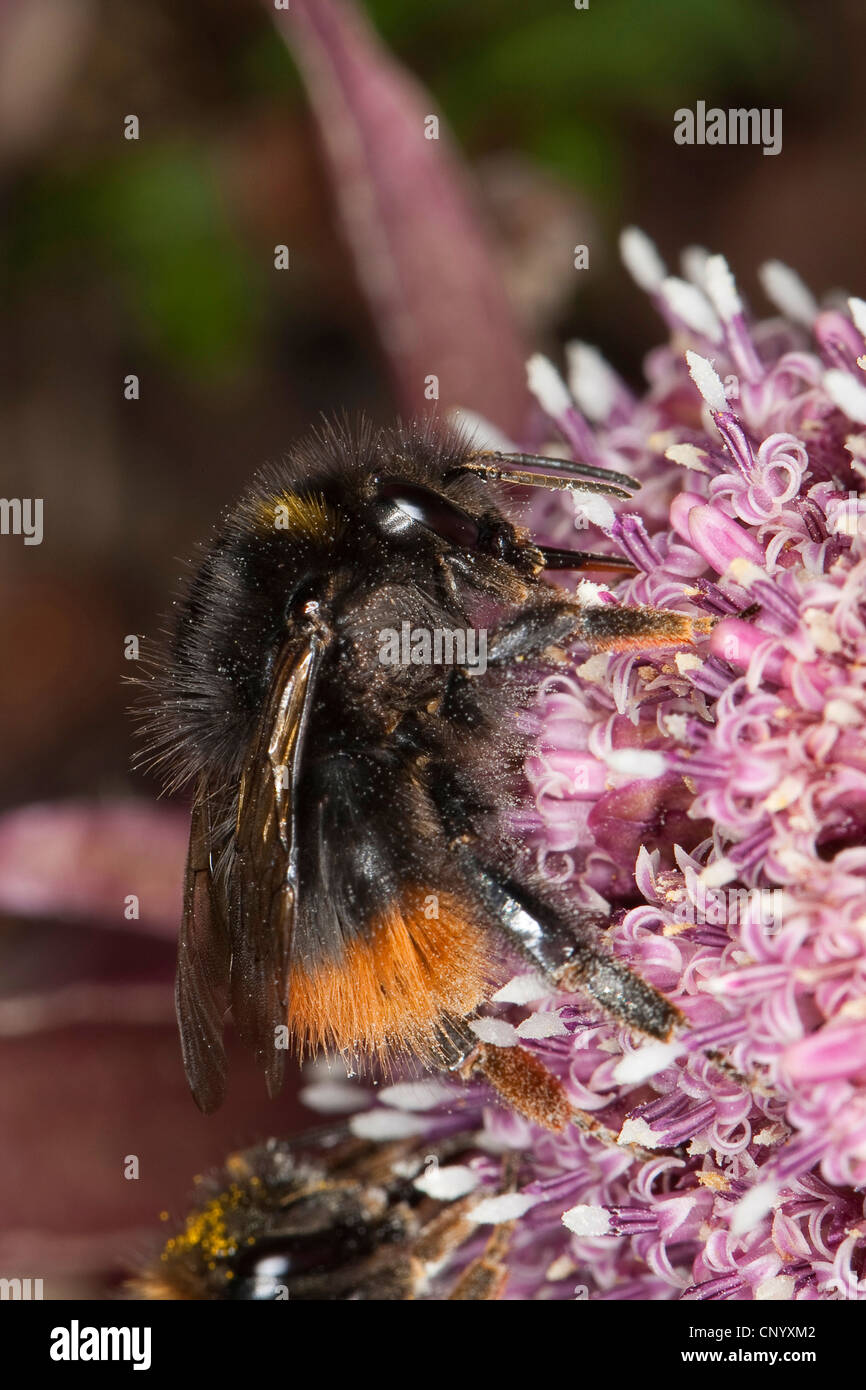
pixel 403 503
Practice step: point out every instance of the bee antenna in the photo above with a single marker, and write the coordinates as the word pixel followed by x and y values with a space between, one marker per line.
pixel 566 474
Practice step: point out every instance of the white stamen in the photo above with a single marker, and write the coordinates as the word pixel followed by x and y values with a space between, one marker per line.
pixel 332 1097
pixel 848 393
pixel 745 572
pixel 587 1221
pixel 660 440
pixel 447 1184
pixel 481 433
pixel 858 313
pixel 722 288
pixel 779 1289
pixel 542 1025
pixel 547 386
pixel 495 1031
pixel 708 381
pixel 785 794
pixel 593 509
pixel 522 989
pixel 641 259
pixel 591 381
pixel 795 863
pixel 784 288
pixel 590 595
pixel 637 1132
pixel 385 1124
pixel 676 725
pixel 687 661
pixel 594 668
pixel 717 874
pixel 840 712
pixel 636 762
pixel 694 263
pixel 856 446
pixel 751 1209
pixel 771 1134
pixel 416 1095
pixel 688 456
pixel 509 1207
pixel 646 1062
pixel 692 307
pixel 822 630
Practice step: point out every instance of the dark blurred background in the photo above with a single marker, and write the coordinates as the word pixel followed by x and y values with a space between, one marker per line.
pixel 156 257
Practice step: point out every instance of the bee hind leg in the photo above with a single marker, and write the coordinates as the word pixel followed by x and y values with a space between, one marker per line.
pixel 528 1087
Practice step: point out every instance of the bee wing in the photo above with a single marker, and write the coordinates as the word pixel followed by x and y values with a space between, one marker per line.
pixel 203 963
pixel 263 885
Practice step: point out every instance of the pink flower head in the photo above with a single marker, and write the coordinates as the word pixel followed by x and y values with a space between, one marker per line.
pixel 713 803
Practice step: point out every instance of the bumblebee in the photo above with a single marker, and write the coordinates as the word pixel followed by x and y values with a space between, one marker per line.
pixel 351 883
pixel 329 1218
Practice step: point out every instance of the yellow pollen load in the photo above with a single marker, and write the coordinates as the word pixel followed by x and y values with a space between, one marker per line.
pixel 206 1229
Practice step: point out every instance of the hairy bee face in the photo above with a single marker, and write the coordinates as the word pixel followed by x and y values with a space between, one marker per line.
pixel 351 884
pixel 361 527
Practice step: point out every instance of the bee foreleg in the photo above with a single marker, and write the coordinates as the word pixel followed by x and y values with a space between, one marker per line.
pixel 557 623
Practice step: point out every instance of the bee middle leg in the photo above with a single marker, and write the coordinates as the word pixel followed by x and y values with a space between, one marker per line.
pixel 559 942
pixel 553 935
pixel 529 1088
